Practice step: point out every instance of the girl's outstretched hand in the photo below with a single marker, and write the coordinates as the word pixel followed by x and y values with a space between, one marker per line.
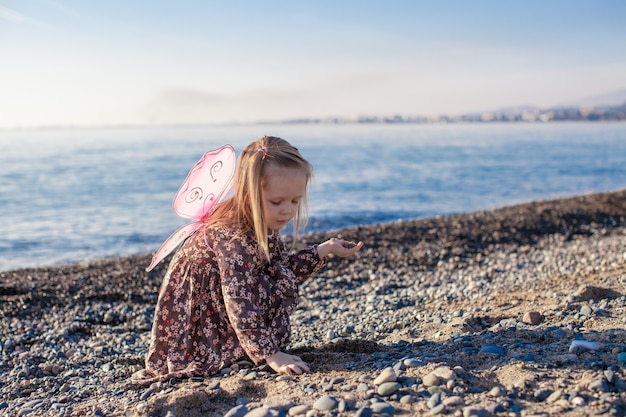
pixel 338 247
pixel 287 364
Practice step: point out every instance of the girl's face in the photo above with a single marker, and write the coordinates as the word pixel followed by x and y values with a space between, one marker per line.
pixel 283 190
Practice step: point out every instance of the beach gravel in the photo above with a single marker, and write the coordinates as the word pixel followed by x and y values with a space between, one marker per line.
pixel 517 311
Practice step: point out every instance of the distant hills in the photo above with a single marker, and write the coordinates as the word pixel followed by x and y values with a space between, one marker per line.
pixel 605 107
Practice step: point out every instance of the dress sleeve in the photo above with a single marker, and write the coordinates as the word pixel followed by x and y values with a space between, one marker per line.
pixel 306 262
pixel 238 264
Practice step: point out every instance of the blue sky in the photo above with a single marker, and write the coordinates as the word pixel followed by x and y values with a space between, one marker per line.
pixel 88 62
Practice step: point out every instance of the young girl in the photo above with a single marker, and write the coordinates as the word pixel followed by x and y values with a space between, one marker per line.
pixel 231 287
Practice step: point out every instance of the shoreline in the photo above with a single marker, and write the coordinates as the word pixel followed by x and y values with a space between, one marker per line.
pixel 521 281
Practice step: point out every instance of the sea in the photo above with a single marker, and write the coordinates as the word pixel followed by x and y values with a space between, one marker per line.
pixel 70 195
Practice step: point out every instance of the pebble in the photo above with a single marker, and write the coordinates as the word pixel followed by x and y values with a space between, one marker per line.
pixel 599 385
pixel 434 401
pixel 387 375
pixel 430 380
pixel 238 411
pixel 578 345
pixel 453 401
pixel 444 373
pixel 363 412
pixel 532 317
pixel 260 412
pixel 388 388
pixel 298 410
pixel 493 350
pixel 413 363
pixel 382 408
pixel 476 412
pixel 437 409
pixel 497 392
pixel 325 403
pixel 554 397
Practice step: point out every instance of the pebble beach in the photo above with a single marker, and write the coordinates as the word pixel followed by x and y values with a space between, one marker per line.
pixel 517 311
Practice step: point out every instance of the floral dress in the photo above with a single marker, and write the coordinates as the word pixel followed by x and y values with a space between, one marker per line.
pixel 221 302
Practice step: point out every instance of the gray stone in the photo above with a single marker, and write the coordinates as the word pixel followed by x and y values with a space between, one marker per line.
pixel 260 412
pixel 298 410
pixel 363 412
pixel 388 388
pixel 383 408
pixel 325 403
pixel 238 411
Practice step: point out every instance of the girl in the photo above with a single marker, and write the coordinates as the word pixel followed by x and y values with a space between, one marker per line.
pixel 231 287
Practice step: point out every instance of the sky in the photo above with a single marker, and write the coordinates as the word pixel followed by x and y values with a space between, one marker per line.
pixel 155 62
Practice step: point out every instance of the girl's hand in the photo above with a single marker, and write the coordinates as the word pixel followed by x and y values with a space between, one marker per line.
pixel 338 247
pixel 287 364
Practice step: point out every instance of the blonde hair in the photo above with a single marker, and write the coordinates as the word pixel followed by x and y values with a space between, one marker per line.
pixel 245 207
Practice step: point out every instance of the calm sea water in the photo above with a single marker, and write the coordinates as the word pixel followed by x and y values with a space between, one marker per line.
pixel 68 195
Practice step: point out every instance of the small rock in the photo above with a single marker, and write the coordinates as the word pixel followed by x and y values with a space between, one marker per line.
pixel 430 380
pixel 474 411
pixel 554 397
pixel 532 317
pixel 434 401
pixel 147 393
pixel 325 403
pixel 599 385
pixel 444 373
pixel 363 412
pixel 382 408
pixel 387 375
pixel 492 349
pixel 454 401
pixel 260 412
pixel 406 399
pixel 413 363
pixel 298 410
pixel 541 394
pixel 388 388
pixel 578 345
pixel 250 376
pixel 436 389
pixel 239 411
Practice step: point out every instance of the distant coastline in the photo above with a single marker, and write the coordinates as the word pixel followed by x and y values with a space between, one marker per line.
pixel 521 115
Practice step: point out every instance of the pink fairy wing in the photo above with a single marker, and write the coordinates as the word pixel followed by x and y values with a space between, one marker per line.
pixel 206 183
pixel 209 179
pixel 172 242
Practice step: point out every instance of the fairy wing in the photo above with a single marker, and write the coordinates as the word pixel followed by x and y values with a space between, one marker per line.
pixel 172 242
pixel 206 183
pixel 208 180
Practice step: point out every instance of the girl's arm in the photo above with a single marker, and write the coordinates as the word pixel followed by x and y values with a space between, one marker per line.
pixel 308 261
pixel 342 248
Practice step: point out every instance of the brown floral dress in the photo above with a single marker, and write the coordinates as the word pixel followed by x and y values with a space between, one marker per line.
pixel 221 302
